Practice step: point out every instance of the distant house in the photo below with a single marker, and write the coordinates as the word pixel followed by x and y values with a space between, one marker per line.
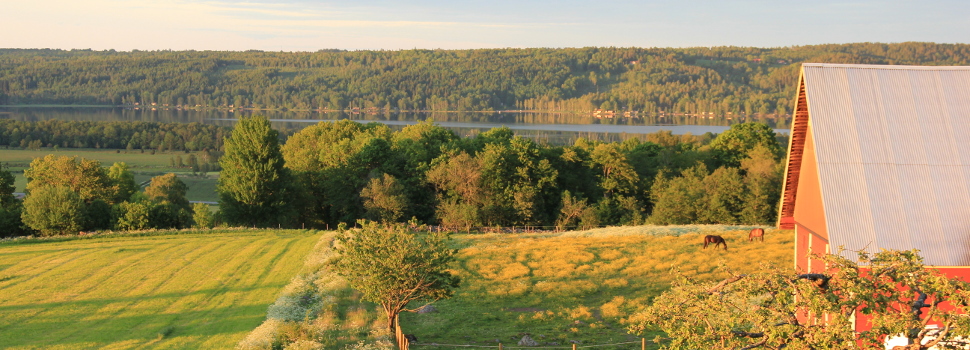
pixel 879 158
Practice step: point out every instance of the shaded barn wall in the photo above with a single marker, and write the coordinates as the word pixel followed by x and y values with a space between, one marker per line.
pixel 811 235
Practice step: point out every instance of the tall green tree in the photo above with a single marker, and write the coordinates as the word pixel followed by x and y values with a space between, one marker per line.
pixel 393 266
pixel 254 187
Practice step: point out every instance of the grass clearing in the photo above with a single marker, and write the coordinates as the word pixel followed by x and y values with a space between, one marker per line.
pixel 165 291
pixel 136 159
pixel 579 286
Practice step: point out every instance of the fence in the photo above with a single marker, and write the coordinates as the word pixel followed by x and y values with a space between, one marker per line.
pixel 508 229
pixel 402 341
pixel 404 344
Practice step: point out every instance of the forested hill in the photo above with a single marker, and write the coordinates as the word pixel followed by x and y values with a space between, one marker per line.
pixel 719 80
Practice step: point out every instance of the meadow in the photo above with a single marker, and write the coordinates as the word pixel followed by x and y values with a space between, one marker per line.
pixel 144 165
pixel 579 286
pixel 558 288
pixel 162 290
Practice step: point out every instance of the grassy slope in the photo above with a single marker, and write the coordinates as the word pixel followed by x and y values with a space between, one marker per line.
pixel 579 285
pixel 165 291
pixel 144 165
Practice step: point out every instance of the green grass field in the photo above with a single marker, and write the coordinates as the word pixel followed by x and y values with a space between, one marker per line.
pixel 164 291
pixel 143 165
pixel 579 285
pixel 136 160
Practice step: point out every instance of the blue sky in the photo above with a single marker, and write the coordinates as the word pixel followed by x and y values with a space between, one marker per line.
pixel 300 25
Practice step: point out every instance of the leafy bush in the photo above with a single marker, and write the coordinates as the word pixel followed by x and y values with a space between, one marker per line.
pixel 53 210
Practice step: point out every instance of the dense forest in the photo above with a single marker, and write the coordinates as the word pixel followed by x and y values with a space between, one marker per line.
pixel 715 81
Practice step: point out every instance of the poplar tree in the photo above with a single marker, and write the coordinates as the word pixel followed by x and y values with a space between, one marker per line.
pixel 253 185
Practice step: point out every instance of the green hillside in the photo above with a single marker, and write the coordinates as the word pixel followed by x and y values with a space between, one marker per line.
pixel 725 81
pixel 165 291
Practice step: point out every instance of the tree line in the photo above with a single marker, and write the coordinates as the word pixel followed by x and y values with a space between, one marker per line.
pixel 128 135
pixel 340 172
pixel 721 81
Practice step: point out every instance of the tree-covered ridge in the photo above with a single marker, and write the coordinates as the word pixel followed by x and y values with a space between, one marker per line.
pixel 718 80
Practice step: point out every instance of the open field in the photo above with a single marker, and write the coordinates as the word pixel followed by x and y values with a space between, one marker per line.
pixel 136 159
pixel 168 291
pixel 579 285
pixel 143 165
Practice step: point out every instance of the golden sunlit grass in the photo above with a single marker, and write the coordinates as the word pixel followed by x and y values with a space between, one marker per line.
pixel 580 285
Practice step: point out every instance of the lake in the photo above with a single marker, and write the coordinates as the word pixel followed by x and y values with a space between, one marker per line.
pixel 552 127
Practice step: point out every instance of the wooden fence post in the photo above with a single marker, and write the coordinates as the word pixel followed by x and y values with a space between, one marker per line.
pixel 574 346
pixel 643 343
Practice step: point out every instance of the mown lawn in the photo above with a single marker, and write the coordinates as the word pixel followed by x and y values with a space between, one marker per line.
pixel 579 286
pixel 166 291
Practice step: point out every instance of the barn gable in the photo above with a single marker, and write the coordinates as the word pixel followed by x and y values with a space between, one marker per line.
pixel 891 153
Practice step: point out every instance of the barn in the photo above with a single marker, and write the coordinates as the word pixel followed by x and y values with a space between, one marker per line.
pixel 879 158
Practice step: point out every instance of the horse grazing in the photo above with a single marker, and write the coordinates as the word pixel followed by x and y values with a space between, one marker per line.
pixel 758 233
pixel 715 240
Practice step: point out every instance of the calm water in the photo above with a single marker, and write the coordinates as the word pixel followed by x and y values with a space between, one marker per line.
pixel 540 125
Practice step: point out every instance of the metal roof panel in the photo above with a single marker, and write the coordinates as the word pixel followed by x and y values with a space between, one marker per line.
pixel 893 150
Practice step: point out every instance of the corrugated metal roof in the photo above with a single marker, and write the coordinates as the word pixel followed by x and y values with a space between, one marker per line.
pixel 893 150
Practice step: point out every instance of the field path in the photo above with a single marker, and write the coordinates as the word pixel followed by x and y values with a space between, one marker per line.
pixel 177 291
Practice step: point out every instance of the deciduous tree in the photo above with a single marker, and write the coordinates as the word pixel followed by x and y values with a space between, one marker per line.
pixel 393 266
pixel 85 177
pixel 53 210
pixel 384 199
pixel 733 145
pixel 770 309
pixel 168 188
pixel 124 180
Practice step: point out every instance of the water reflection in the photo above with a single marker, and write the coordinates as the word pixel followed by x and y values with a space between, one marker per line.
pixel 466 123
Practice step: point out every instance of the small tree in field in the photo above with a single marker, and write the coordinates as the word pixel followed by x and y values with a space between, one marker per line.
pixel 768 309
pixel 393 265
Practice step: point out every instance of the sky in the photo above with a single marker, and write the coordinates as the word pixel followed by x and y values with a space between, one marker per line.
pixel 303 25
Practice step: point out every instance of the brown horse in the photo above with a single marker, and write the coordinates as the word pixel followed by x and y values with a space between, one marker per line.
pixel 715 240
pixel 758 233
